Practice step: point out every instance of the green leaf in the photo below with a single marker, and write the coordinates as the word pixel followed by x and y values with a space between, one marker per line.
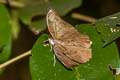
pixel 5 34
pixel 106 35
pixel 112 23
pixel 40 8
pixel 111 20
pixel 41 62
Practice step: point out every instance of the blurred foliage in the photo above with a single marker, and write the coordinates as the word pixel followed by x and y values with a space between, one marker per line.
pixel 40 8
pixel 25 20
pixel 5 34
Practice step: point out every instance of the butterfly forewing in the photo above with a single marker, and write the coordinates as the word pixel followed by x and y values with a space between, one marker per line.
pixel 59 29
pixel 56 26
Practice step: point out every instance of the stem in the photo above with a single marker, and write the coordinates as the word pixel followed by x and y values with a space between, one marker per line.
pixel 15 59
pixel 83 17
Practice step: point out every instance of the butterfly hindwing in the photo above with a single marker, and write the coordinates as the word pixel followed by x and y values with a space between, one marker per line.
pixel 60 53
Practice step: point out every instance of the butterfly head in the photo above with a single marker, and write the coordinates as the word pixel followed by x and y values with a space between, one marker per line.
pixel 51 41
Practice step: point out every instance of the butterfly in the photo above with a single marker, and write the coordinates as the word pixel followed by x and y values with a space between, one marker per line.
pixel 69 46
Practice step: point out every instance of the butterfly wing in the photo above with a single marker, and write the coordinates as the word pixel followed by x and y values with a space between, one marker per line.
pixel 78 54
pixel 56 26
pixel 59 29
pixel 71 55
pixel 60 52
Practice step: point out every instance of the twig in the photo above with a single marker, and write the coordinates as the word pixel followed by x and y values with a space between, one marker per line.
pixel 17 4
pixel 83 17
pixel 13 3
pixel 15 59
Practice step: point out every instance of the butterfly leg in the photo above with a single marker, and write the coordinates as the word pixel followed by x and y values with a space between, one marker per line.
pixel 54 60
pixel 50 47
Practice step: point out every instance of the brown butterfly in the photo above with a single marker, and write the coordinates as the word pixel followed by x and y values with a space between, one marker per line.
pixel 69 46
